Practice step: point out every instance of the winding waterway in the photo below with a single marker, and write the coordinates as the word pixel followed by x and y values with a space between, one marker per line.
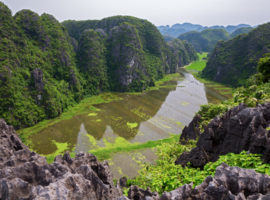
pixel 139 118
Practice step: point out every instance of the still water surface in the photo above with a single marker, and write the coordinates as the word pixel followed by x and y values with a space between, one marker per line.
pixel 151 115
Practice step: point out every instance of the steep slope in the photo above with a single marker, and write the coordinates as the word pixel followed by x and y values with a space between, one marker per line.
pixel 181 53
pixel 38 75
pixel 205 40
pixel 232 62
pixel 241 31
pixel 43 70
pixel 136 53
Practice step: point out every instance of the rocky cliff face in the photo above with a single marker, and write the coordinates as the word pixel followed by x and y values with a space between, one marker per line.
pixel 241 128
pixel 137 54
pixel 233 61
pixel 26 175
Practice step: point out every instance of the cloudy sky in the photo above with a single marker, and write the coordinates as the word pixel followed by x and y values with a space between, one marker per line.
pixel 159 12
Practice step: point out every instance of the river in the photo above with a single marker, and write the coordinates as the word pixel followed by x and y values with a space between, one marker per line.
pixel 139 118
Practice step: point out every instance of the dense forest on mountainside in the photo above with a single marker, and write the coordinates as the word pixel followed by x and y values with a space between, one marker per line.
pixel 178 29
pixel 233 61
pixel 241 31
pixel 43 70
pixel 206 40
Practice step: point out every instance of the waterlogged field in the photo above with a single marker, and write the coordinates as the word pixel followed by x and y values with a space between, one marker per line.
pixel 200 64
pixel 122 127
pixel 216 91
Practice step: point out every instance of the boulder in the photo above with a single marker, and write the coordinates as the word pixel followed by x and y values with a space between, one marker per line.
pixel 241 128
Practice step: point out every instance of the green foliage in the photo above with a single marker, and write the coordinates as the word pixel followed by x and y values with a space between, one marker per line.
pixel 164 175
pixel 234 61
pixel 243 30
pixel 210 111
pixel 181 54
pixel 136 53
pixel 43 70
pixel 30 44
pixel 264 67
pixel 92 62
pixel 206 40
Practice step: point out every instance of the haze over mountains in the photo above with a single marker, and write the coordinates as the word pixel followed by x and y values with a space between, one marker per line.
pixel 179 29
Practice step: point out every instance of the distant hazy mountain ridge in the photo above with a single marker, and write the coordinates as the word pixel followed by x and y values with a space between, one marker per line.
pixel 179 29
pixel 233 61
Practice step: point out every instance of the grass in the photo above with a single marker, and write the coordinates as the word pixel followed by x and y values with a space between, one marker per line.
pixel 200 64
pixel 120 145
pixel 105 153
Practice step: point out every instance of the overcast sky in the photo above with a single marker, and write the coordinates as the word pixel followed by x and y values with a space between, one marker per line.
pixel 159 12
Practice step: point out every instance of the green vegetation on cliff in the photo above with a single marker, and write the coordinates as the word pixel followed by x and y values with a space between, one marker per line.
pixel 206 40
pixel 43 70
pixel 241 31
pixel 136 53
pixel 38 75
pixel 233 61
pixel 164 175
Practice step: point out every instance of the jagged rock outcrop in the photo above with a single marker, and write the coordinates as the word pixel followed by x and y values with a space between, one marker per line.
pixel 26 175
pixel 137 193
pixel 241 128
pixel 192 131
pixel 229 183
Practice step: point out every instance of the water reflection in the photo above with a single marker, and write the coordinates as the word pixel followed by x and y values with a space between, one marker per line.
pixel 151 115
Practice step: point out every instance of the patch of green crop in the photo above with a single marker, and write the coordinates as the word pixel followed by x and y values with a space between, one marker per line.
pixel 132 125
pixel 122 145
pixel 92 114
pixel 200 64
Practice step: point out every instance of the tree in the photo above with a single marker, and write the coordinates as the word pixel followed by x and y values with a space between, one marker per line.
pixel 264 67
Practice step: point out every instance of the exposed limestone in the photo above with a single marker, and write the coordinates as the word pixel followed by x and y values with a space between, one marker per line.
pixel 192 131
pixel 239 129
pixel 26 175
pixel 229 183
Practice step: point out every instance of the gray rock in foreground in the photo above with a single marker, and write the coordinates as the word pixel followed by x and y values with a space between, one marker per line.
pixel 241 128
pixel 229 183
pixel 26 175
